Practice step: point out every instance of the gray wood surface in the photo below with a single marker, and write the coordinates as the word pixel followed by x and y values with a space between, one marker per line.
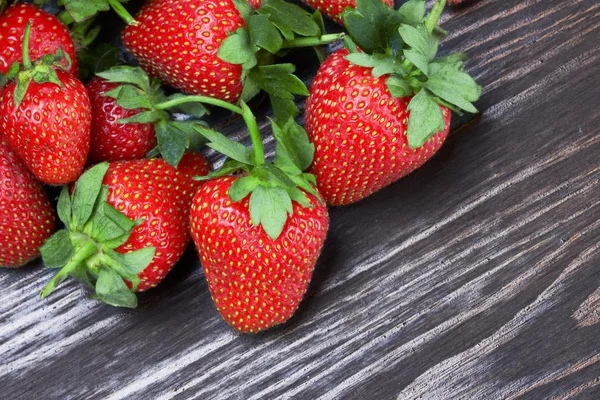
pixel 477 277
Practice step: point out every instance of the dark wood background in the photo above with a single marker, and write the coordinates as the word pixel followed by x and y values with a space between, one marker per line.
pixel 476 277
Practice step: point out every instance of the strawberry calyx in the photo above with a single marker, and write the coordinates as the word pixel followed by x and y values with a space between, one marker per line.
pixel 41 71
pixel 2 6
pixel 85 249
pixel 401 47
pixel 271 30
pixel 138 91
pixel 271 185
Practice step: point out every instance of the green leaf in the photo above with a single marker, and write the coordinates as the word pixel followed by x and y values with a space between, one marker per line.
pixel 244 8
pixel 279 80
pixel 420 40
pixel 263 33
pixel 283 109
pixel 293 147
pixel 58 250
pixel 64 206
pixel 130 97
pixel 226 146
pixel 81 10
pixel 453 85
pixel 251 89
pixel 418 59
pixel 289 18
pixel 195 140
pixel 172 142
pixel 2 5
pixel 135 262
pixel 23 81
pixel 398 87
pixel 413 12
pixel 242 187
pixel 425 120
pixel 237 49
pixel 86 192
pixel 372 25
pixel 126 74
pixel 111 289
pixel 269 207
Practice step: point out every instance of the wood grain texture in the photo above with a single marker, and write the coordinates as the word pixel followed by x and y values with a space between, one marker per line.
pixel 474 278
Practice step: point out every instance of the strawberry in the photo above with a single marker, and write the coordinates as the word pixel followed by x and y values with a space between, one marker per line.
pixel 130 118
pixel 48 35
pixel 256 282
pixel 376 116
pixel 110 140
pixel 26 216
pixel 127 224
pixel 45 116
pixel 259 232
pixel 223 48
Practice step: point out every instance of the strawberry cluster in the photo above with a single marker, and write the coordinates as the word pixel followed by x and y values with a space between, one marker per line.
pixel 126 148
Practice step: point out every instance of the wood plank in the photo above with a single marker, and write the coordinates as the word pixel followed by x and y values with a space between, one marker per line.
pixel 465 279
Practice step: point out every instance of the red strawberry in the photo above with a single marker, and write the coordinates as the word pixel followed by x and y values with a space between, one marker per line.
pixel 47 36
pixel 26 216
pixel 359 130
pixel 207 48
pixel 47 120
pixel 132 233
pixel 259 234
pixel 256 282
pixel 376 115
pixel 110 140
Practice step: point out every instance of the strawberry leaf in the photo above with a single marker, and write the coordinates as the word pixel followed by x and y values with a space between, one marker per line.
pixel 226 146
pixel 242 187
pixel 294 152
pixel 453 85
pixel 135 262
pixel 172 142
pixel 425 120
pixel 264 34
pixel 64 207
pixel 130 97
pixel 86 192
pixel 269 207
pixel 413 12
pixel 58 250
pixel 196 110
pixel 279 80
pixel 398 87
pixel 111 289
pixel 289 18
pixel 127 74
pixel 283 109
pixel 237 49
pixel 372 25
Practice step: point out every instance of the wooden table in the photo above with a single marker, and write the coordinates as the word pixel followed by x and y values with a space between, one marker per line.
pixel 475 277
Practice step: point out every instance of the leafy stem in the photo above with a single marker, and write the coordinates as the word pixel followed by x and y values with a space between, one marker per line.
pixel 26 59
pixel 312 41
pixel 86 250
pixel 259 152
pixel 122 12
pixel 434 15
pixel 199 99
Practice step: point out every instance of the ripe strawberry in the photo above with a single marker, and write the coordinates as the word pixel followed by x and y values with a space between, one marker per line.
pixel 364 147
pixel 256 281
pixel 26 216
pixel 375 117
pixel 45 116
pixel 259 234
pixel 220 50
pixel 110 140
pixel 47 36
pixel 127 226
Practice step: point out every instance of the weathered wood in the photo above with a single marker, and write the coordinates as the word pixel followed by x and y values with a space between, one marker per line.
pixel 475 277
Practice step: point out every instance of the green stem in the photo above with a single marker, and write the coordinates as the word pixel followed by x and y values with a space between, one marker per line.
pixel 259 151
pixel 312 41
pixel 434 15
pixel 85 251
pixel 199 99
pixel 26 58
pixel 122 12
